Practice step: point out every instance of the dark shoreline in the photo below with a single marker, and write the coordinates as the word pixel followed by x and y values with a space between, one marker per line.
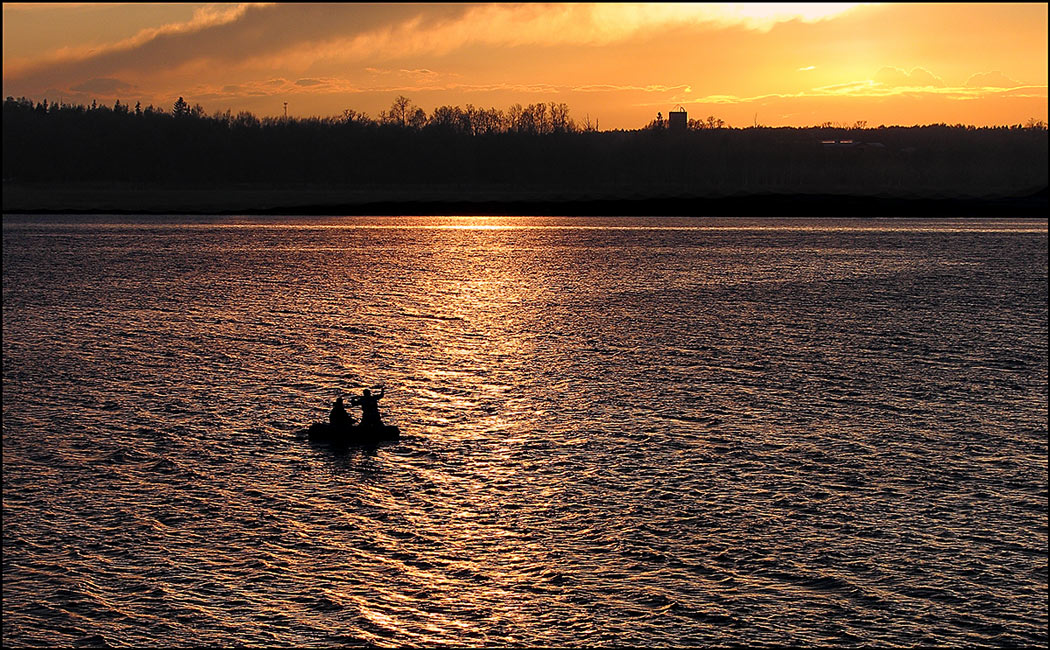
pixel 326 202
pixel 747 206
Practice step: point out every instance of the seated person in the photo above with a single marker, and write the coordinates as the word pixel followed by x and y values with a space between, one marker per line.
pixel 339 417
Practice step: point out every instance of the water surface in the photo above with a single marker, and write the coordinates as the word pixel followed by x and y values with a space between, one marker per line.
pixel 616 431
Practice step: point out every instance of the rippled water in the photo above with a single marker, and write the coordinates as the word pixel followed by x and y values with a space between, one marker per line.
pixel 616 432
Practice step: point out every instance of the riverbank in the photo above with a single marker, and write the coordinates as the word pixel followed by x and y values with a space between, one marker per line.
pixel 500 201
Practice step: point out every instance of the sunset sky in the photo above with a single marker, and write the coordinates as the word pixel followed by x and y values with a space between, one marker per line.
pixel 619 64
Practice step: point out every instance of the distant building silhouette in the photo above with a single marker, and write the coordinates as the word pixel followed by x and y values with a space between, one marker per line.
pixel 677 120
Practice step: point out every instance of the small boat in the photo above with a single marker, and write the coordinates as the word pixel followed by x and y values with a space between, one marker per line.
pixel 352 434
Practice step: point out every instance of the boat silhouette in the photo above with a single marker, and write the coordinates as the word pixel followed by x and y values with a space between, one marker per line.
pixel 352 434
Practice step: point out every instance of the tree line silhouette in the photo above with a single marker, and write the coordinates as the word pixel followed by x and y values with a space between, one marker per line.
pixel 537 145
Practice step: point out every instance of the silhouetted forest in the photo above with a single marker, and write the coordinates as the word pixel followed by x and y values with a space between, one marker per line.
pixel 535 146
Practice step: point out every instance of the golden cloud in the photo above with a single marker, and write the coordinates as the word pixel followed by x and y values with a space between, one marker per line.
pixel 994 79
pixel 297 36
pixel 917 78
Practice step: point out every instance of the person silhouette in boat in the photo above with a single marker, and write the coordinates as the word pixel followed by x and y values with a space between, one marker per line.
pixel 339 417
pixel 369 404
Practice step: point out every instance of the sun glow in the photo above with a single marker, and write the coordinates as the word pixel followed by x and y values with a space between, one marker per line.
pixel 763 15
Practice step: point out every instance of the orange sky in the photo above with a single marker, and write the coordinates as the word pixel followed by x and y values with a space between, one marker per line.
pixel 777 64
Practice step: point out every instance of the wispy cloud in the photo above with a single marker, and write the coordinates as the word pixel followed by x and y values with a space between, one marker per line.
pixel 309 86
pixel 210 16
pixel 652 88
pixel 296 36
pixel 892 82
pixel 421 72
pixel 231 36
pixel 106 86
pixel 994 79
pixel 892 77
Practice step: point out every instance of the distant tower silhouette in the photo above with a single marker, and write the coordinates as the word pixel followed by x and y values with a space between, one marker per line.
pixel 677 120
pixel 286 110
